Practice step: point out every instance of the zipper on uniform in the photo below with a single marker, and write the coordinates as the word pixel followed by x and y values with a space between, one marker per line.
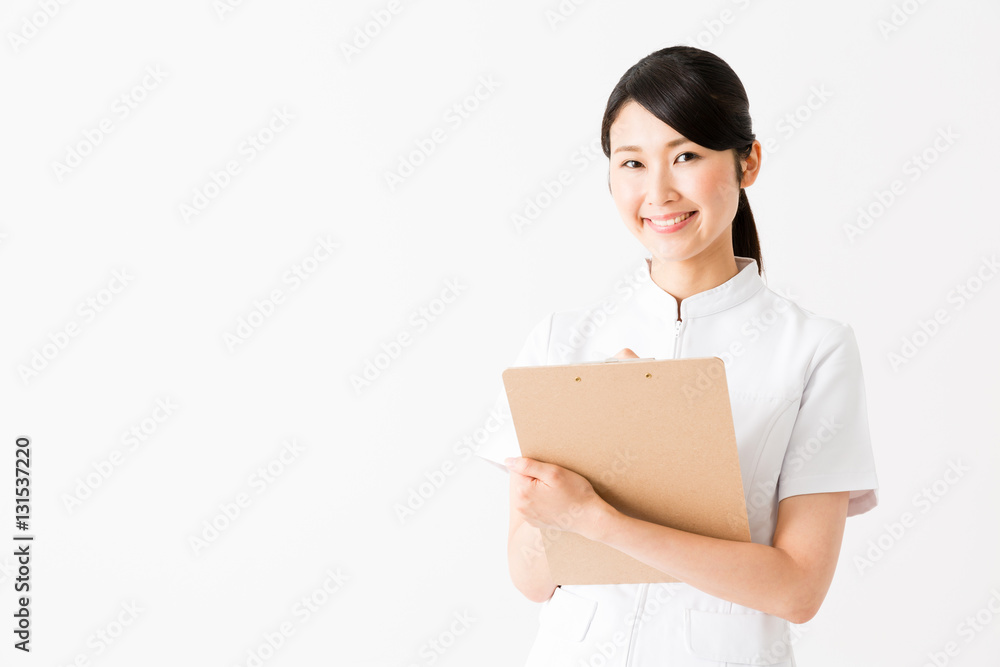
pixel 635 624
pixel 677 337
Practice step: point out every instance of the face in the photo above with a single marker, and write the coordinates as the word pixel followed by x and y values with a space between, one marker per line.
pixel 659 177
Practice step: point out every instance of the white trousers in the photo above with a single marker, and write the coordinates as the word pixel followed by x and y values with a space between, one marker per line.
pixel 647 625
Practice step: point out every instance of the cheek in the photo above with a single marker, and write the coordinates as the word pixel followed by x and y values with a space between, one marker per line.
pixel 720 187
pixel 626 195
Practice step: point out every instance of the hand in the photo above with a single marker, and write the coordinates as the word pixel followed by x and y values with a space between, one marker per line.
pixel 550 496
pixel 625 353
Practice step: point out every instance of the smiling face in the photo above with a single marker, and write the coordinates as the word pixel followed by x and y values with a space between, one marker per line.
pixel 659 177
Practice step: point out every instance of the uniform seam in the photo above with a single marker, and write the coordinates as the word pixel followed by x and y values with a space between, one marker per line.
pixel 746 298
pixel 810 367
pixel 764 440
pixel 640 611
pixel 860 478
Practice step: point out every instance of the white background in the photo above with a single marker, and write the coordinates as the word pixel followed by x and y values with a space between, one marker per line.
pixel 334 506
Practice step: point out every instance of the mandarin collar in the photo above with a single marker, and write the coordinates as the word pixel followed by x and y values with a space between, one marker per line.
pixel 736 290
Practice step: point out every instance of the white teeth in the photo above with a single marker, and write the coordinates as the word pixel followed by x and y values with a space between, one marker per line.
pixel 674 221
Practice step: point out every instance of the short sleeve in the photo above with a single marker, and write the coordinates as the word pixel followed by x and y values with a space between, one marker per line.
pixel 503 440
pixel 830 445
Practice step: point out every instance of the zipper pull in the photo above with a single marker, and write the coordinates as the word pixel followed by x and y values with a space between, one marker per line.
pixel 677 336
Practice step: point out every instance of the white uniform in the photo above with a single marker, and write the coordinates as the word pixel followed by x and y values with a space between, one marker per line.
pixel 799 411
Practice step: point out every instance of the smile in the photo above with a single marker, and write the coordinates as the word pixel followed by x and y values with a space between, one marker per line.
pixel 673 221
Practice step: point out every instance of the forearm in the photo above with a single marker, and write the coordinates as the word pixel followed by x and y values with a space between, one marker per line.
pixel 529 568
pixel 754 575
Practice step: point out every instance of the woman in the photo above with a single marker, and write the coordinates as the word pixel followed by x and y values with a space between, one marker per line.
pixel 677 131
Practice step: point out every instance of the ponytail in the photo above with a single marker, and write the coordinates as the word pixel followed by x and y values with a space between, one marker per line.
pixel 745 240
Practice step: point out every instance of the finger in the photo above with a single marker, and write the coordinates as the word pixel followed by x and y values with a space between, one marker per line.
pixel 625 353
pixel 529 467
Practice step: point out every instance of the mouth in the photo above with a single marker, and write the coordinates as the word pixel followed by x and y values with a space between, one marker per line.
pixel 667 223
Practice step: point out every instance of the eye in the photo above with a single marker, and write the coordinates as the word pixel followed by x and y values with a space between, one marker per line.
pixel 693 156
pixel 627 161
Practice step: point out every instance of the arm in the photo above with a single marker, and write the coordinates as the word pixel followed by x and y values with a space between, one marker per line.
pixel 789 579
pixel 529 568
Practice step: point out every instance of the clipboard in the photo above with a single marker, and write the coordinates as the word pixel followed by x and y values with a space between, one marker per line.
pixel 656 440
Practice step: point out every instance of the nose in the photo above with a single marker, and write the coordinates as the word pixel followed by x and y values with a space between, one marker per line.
pixel 661 188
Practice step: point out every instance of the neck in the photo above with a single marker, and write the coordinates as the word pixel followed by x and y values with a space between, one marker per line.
pixel 683 278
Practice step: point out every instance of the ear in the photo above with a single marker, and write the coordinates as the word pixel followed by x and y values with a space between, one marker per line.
pixel 751 165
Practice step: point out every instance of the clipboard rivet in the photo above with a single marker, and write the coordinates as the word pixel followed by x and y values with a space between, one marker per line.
pixel 649 375
pixel 578 379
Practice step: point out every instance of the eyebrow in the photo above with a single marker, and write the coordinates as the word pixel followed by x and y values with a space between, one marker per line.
pixel 669 144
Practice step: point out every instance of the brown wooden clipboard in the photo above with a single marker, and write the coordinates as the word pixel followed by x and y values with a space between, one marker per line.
pixel 655 438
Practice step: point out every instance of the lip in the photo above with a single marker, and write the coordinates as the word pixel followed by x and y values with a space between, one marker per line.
pixel 668 216
pixel 669 230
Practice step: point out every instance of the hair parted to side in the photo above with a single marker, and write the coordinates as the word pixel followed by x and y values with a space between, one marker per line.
pixel 699 95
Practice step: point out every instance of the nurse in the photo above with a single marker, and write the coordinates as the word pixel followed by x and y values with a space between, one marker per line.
pixel 677 131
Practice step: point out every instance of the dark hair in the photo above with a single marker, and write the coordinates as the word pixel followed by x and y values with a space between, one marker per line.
pixel 699 95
